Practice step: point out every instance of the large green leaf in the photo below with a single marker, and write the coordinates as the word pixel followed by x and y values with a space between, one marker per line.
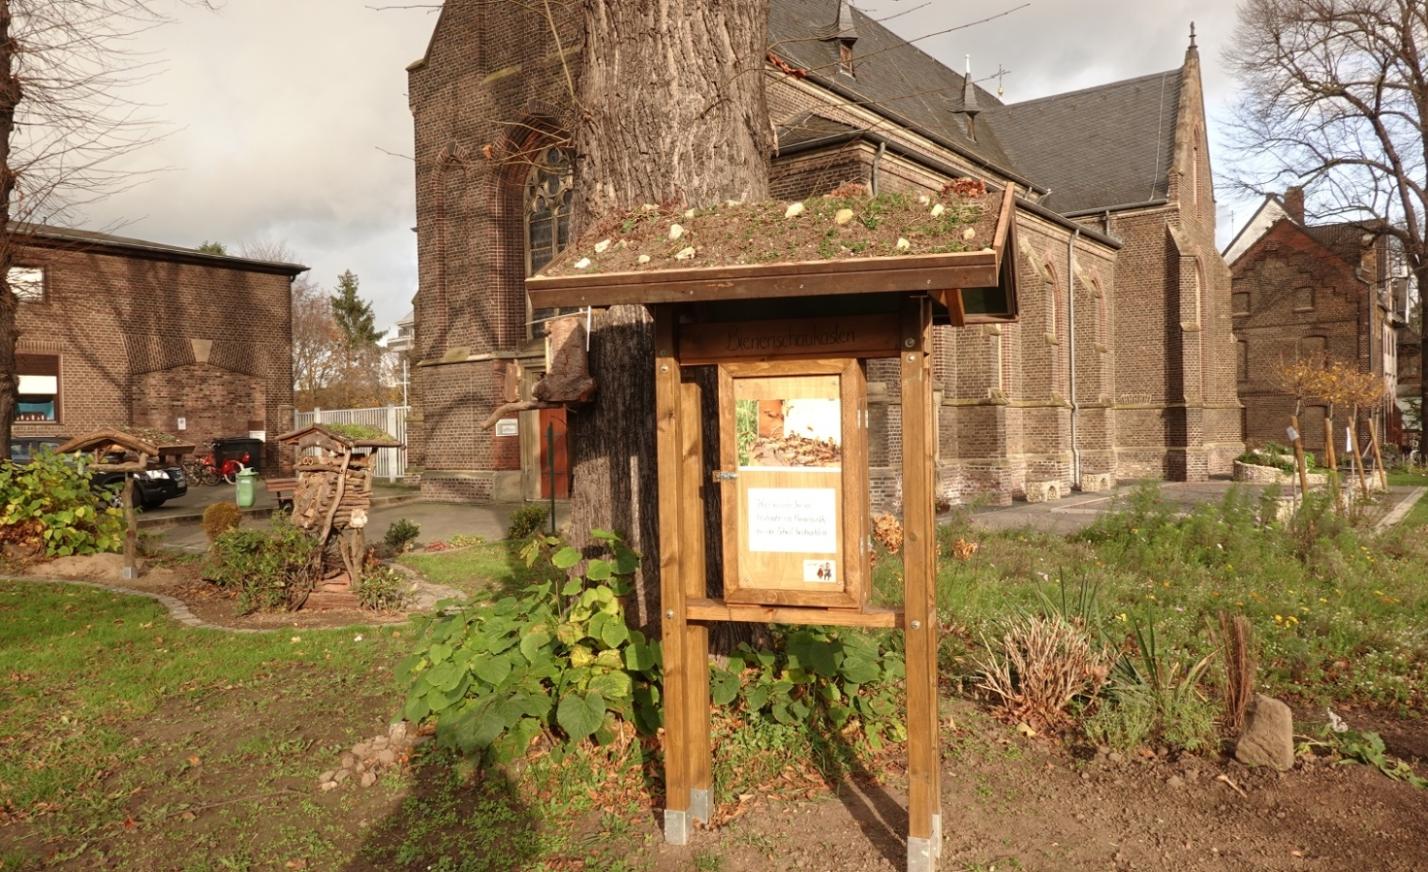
pixel 533 643
pixel 492 670
pixel 444 676
pixel 598 570
pixel 612 685
pixel 641 656
pixel 860 670
pixel 566 557
pixel 723 687
pixel 580 715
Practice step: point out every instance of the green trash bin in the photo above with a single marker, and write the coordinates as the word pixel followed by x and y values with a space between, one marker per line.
pixel 247 487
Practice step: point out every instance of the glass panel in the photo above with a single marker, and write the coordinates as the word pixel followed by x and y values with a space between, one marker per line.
pixel 27 283
pixel 35 408
pixel 788 434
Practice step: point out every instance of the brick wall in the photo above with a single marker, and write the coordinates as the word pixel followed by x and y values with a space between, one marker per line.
pixel 144 341
pixel 1296 298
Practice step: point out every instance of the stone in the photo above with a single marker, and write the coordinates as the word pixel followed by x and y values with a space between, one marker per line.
pixel 386 757
pixel 327 776
pixel 794 210
pixel 843 216
pixel 348 760
pixel 903 244
pixel 361 749
pixel 397 732
pixel 1175 782
pixel 327 785
pixel 380 742
pixel 685 253
pixel 1268 739
pixel 369 779
pixel 341 775
pixel 602 246
pixel 675 231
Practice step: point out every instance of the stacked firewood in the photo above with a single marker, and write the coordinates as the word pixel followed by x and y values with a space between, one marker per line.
pixel 317 479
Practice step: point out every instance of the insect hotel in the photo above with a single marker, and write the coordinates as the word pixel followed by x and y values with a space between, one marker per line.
pixel 331 495
pixel 131 454
pixel 769 327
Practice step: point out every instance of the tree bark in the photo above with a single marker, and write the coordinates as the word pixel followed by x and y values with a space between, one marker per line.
pixel 670 110
pixel 9 305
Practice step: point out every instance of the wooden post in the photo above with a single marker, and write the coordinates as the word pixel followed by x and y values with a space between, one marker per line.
pixel 924 816
pixel 1377 455
pixel 1331 461
pixel 673 623
pixel 131 530
pixel 692 571
pixel 1356 462
pixel 1299 458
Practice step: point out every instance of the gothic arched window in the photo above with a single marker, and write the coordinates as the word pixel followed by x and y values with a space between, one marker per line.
pixel 547 207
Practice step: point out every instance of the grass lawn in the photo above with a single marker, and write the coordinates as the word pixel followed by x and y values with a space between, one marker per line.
pixel 475 569
pixel 1414 479
pixel 128 741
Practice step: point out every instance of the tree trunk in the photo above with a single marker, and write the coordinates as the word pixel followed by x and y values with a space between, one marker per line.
pixel 9 305
pixel 670 110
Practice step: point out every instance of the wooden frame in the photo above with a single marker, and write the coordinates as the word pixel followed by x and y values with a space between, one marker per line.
pixel 849 483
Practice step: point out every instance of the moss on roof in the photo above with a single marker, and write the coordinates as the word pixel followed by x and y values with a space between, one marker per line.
pixel 359 432
pixel 845 224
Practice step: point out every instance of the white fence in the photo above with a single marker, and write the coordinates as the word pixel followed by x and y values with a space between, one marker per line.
pixel 391 462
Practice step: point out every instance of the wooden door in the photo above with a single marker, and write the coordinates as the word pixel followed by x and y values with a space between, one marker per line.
pixel 554 458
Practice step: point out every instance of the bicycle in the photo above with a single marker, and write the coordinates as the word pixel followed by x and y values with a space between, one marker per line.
pixel 205 470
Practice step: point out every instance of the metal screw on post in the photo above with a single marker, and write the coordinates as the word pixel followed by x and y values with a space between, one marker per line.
pixel 917 625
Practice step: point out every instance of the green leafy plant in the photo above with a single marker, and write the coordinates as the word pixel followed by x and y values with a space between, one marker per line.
pixel 819 677
pixel 1362 746
pixel 269 568
pixel 526 522
pixel 48 504
pixel 557 661
pixel 1153 695
pixel 401 535
pixel 382 588
pixel 219 518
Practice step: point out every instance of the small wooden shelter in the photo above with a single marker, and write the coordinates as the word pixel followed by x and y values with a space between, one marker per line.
pixel 333 491
pixel 118 451
pixel 788 345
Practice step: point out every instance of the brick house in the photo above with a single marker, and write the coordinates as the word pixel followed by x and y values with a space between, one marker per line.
pixel 1120 367
pixel 117 331
pixel 1311 290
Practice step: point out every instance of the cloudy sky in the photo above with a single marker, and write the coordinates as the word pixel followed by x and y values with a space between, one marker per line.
pixel 283 114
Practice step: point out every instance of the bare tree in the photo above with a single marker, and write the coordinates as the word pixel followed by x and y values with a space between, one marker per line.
pixel 65 73
pixel 1336 100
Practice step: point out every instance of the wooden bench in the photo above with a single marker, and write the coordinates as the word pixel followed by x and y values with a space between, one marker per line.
pixel 282 490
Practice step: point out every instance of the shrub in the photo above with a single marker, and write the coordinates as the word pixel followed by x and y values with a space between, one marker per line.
pixel 557 660
pixel 819 678
pixel 49 504
pixel 526 521
pixel 269 568
pixel 401 535
pixel 381 589
pixel 1040 665
pixel 219 518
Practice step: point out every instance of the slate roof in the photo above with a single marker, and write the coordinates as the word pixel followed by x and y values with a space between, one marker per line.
pixel 891 75
pixel 71 238
pixel 1111 145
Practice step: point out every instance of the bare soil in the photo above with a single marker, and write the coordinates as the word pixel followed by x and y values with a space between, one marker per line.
pixel 1015 803
pixel 751 233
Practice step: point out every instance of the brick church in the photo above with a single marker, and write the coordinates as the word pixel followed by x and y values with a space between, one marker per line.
pixel 1122 365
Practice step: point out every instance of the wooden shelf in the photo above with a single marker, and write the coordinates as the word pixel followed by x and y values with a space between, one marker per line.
pixel 718 610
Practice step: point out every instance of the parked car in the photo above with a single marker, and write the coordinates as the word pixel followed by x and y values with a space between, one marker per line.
pixel 156 486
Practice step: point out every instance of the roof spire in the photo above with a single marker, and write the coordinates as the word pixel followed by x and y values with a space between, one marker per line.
pixel 969 91
pixel 847 30
pixel 1192 34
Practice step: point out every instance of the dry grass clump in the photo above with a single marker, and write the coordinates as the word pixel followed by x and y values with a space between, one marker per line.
pixel 219 518
pixel 1237 649
pixel 1040 665
pixel 887 531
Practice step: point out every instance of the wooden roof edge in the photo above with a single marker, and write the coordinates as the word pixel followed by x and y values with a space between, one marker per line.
pixel 295 435
pixel 96 438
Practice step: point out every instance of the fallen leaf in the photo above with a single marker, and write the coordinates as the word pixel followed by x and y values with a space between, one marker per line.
pixel 794 210
pixel 601 246
pixel 1026 730
pixel 194 760
pixel 843 216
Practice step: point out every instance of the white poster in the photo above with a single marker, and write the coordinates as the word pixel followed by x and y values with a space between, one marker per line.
pixel 793 520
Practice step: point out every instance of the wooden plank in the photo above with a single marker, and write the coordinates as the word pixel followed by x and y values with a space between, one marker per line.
pixel 668 286
pixel 692 577
pixel 856 567
pixel 674 641
pixel 919 552
pixel 722 610
pixel 773 596
pixel 1005 216
pixel 846 336
pixel 131 530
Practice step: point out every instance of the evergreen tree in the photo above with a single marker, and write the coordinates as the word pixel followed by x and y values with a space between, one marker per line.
pixel 213 248
pixel 354 314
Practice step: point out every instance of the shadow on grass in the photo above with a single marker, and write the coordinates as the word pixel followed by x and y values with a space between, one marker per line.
pixel 454 816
